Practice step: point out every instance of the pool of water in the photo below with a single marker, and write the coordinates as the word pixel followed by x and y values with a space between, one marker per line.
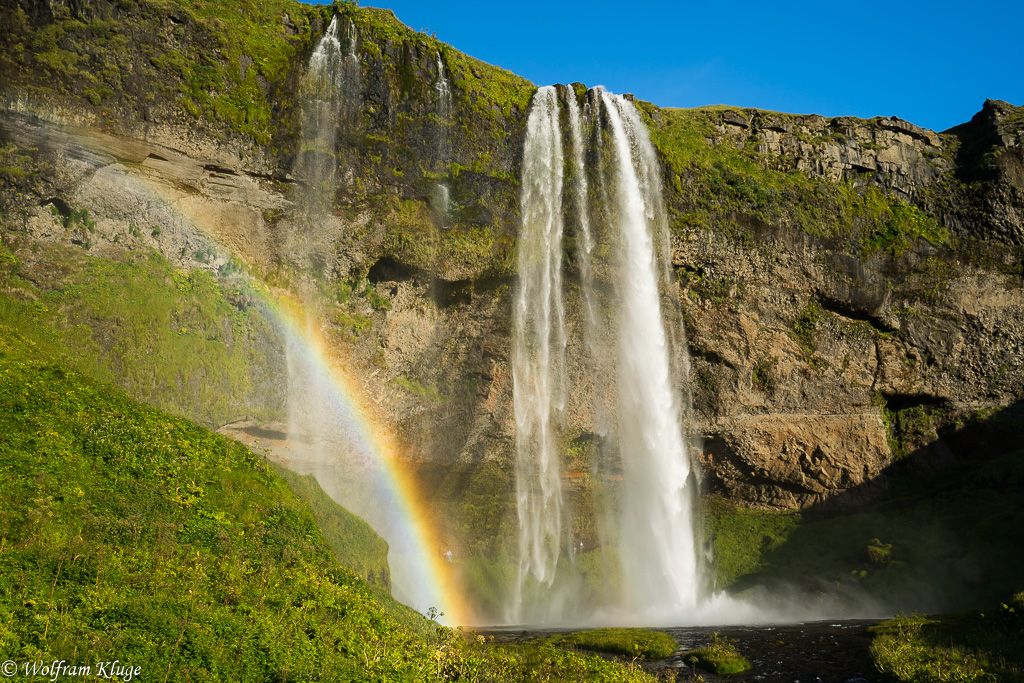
pixel 811 652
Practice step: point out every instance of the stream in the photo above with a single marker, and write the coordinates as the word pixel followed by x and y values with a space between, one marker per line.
pixel 833 651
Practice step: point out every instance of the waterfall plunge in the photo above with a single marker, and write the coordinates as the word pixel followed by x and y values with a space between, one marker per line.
pixel 321 96
pixel 657 539
pixel 440 195
pixel 631 367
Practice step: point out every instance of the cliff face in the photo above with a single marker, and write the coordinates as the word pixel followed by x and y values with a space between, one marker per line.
pixel 852 288
pixel 824 354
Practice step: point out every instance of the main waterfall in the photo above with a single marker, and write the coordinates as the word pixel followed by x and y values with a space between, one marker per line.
pixel 614 214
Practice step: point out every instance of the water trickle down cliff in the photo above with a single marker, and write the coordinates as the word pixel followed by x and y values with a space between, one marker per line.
pixel 321 96
pixel 636 384
pixel 440 198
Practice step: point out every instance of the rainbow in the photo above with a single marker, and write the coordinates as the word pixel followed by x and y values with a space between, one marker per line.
pixel 412 527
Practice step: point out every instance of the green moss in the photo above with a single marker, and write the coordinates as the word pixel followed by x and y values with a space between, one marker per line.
pixel 415 240
pixel 895 226
pixel 742 539
pixel 226 65
pixel 719 657
pixel 172 339
pixel 763 374
pixel 736 190
pixel 803 331
pixel 415 387
pixel 629 642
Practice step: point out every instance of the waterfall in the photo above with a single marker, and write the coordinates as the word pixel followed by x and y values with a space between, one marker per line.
pixel 321 98
pixel 444 92
pixel 351 78
pixel 440 196
pixel 657 535
pixel 538 352
pixel 616 215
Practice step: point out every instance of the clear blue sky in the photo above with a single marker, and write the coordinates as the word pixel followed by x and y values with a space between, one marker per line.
pixel 932 63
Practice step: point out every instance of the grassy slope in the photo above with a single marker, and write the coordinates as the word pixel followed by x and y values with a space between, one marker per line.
pixel 189 343
pixel 354 542
pixel 133 535
pixel 128 534
pixel 982 645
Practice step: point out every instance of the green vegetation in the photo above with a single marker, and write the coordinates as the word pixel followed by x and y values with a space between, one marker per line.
pixel 743 539
pixel 479 86
pixel 957 533
pixel 354 542
pixel 910 427
pixel 416 241
pixel 129 534
pixel 538 662
pixel 803 330
pixel 428 392
pixel 737 191
pixel 763 374
pixel 720 656
pixel 184 342
pixel 227 68
pixel 224 64
pixel 981 645
pixel 629 642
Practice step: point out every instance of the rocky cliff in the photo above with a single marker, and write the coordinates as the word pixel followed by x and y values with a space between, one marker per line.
pixel 852 289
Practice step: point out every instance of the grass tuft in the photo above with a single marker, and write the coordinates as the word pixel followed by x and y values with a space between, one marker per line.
pixel 720 657
pixel 629 642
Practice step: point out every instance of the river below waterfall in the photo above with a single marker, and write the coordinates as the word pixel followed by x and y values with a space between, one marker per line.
pixel 811 652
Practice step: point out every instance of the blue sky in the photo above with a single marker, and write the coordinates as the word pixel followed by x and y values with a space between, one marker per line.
pixel 932 63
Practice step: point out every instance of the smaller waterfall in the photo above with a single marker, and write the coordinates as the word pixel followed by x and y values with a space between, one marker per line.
pixel 444 92
pixel 538 354
pixel 321 91
pixel 440 196
pixel 331 95
pixel 351 74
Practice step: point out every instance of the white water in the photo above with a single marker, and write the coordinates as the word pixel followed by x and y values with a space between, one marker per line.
pixel 635 376
pixel 444 92
pixel 657 535
pixel 322 88
pixel 538 357
pixel 351 78
pixel 441 195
